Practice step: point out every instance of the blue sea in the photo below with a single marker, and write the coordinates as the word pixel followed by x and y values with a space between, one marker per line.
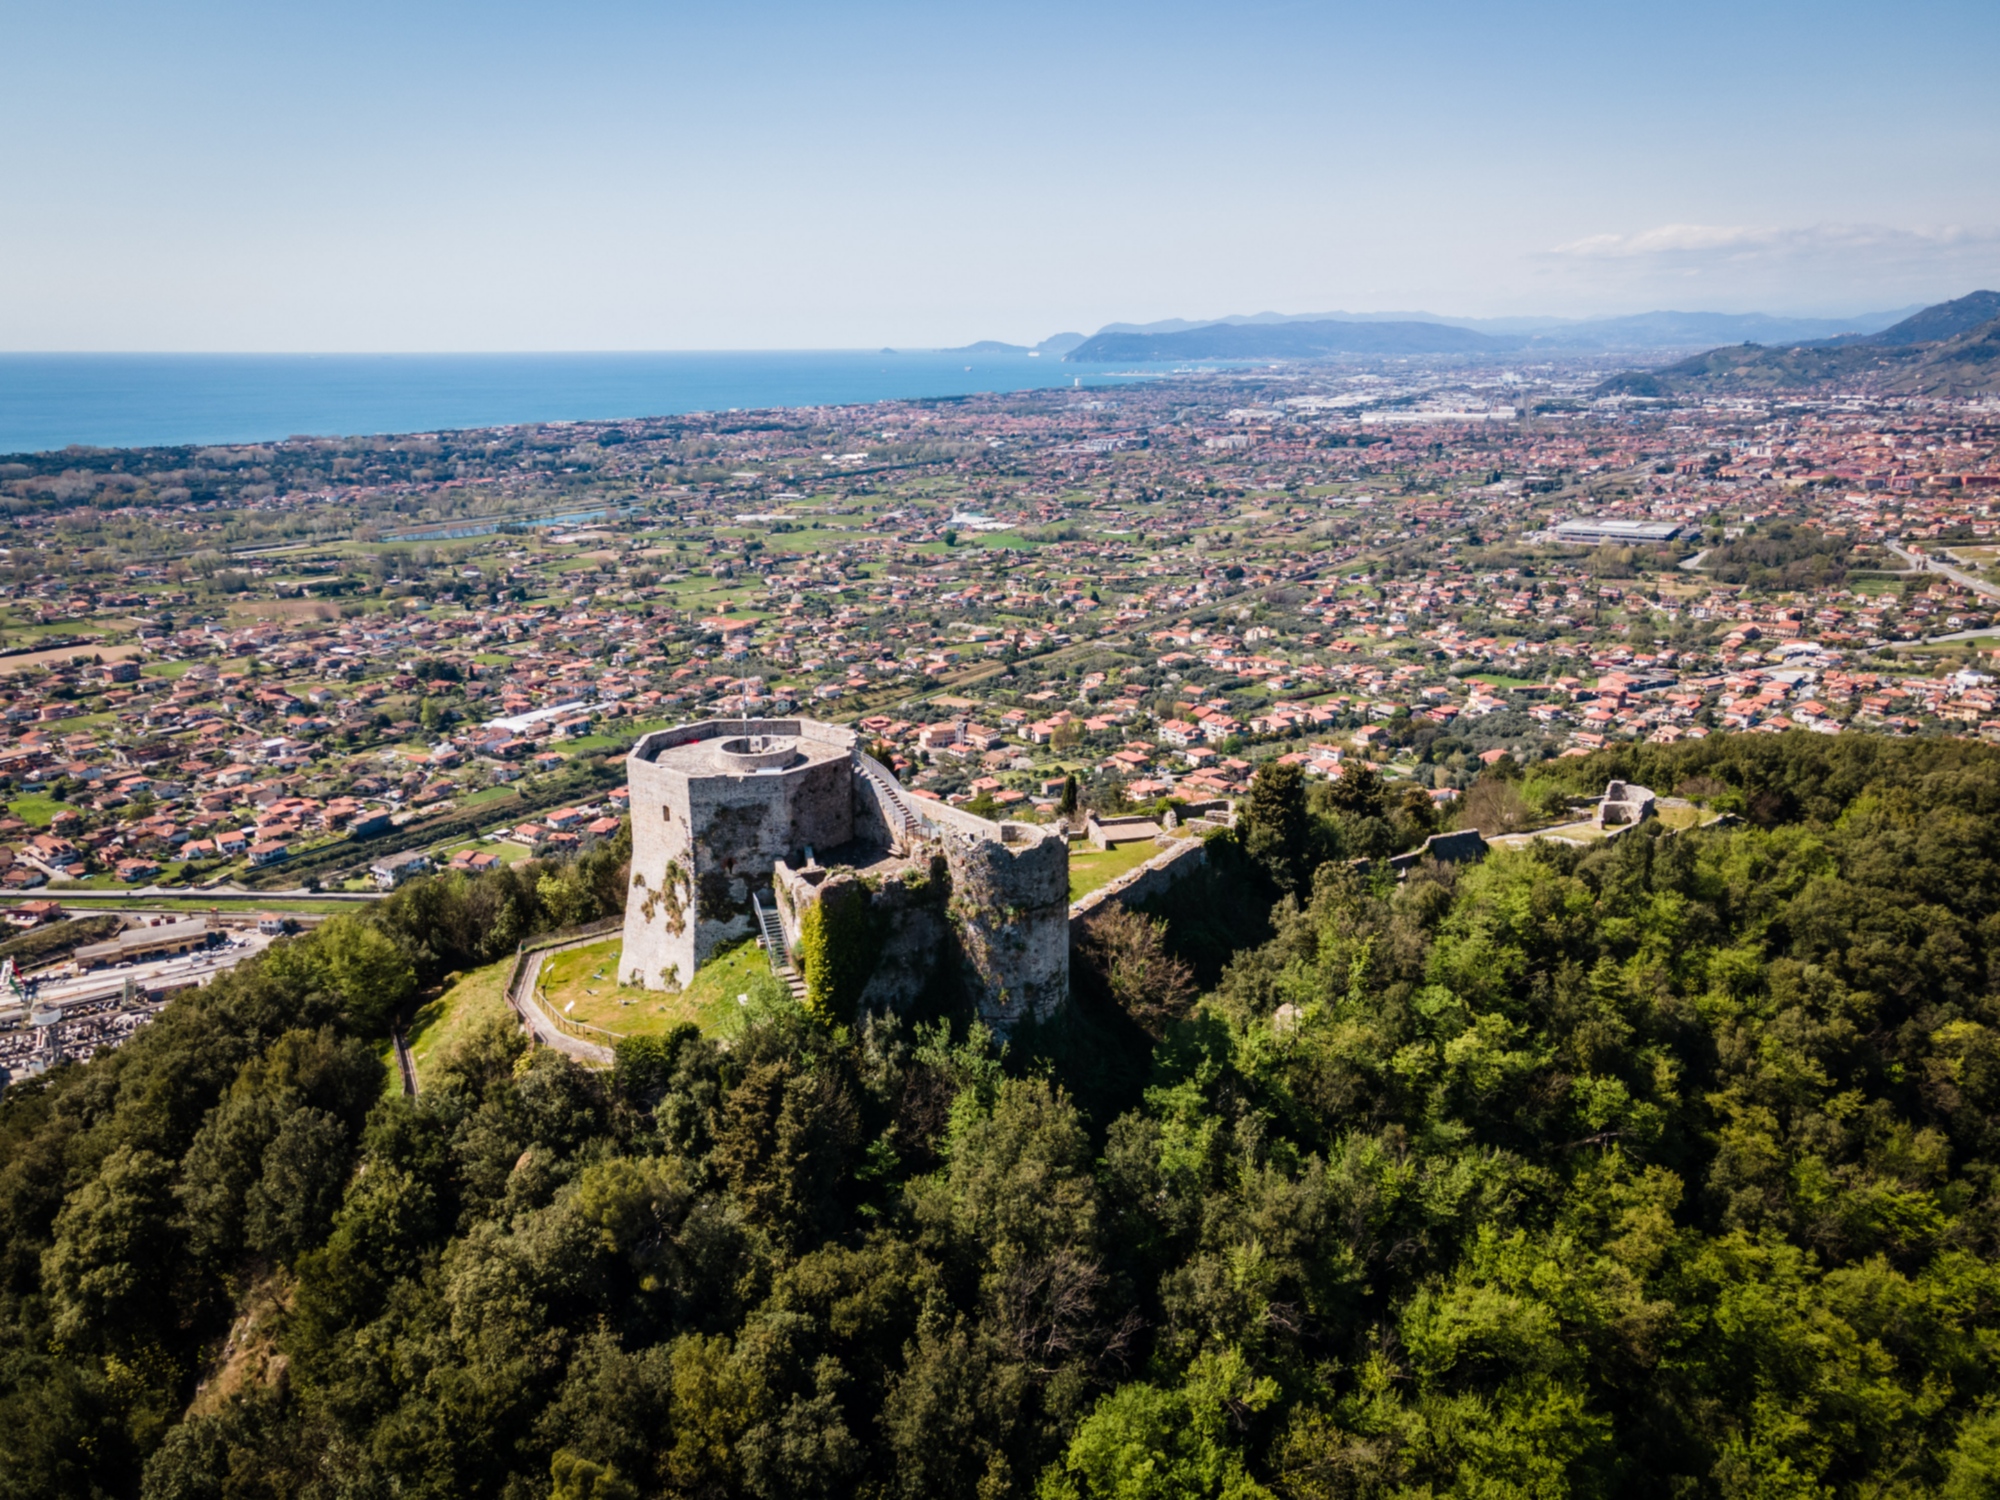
pixel 50 401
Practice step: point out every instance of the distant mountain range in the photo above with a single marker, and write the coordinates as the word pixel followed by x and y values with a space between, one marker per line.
pixel 1651 330
pixel 1950 349
pixel 1290 340
pixel 1270 335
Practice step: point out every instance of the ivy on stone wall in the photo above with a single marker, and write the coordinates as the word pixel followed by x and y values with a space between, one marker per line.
pixel 672 898
pixel 932 884
pixel 836 950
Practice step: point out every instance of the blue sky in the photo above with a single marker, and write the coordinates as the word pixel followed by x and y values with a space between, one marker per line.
pixel 599 175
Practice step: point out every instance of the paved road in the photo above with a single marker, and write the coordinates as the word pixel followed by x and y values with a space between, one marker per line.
pixel 405 1064
pixel 538 1021
pixel 219 894
pixel 1923 562
pixel 88 908
pixel 1984 633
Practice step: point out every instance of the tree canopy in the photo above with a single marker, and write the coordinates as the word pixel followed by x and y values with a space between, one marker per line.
pixel 1664 1167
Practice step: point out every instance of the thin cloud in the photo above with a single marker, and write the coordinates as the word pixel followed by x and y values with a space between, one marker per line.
pixel 1666 239
pixel 1817 268
pixel 1874 243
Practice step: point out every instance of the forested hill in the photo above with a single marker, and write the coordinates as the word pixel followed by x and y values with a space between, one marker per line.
pixel 1665 1168
pixel 1950 349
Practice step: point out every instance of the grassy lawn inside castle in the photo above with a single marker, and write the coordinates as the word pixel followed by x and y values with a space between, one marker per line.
pixel 1090 868
pixel 584 976
pixel 582 984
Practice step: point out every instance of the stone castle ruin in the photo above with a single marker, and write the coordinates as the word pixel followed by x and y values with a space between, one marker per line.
pixel 741 826
pixel 1623 805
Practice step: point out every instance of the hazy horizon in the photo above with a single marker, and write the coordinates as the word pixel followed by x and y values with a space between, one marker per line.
pixel 1025 342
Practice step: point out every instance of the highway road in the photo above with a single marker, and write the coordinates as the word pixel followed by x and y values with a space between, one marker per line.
pixel 1985 632
pixel 219 894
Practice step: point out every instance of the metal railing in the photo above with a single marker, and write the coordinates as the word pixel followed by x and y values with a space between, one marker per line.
pixel 524 983
pixel 772 928
pixel 913 825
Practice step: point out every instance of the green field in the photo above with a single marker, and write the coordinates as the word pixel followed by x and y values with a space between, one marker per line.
pixel 1090 868
pixel 510 853
pixel 581 984
pixel 36 808
pixel 485 795
pixel 618 740
pixel 1874 585
pixel 441 1025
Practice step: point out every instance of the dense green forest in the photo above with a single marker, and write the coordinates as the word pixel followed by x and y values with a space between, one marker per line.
pixel 1663 1168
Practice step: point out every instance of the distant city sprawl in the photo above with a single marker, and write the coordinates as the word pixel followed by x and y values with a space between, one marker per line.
pixel 1279 933
pixel 326 664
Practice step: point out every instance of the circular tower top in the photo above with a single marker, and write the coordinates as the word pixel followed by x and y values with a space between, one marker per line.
pixel 757 752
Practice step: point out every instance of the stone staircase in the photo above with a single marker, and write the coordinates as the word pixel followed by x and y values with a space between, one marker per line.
pixel 771 933
pixel 906 825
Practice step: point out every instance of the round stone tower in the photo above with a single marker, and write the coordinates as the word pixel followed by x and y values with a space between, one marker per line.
pixel 1010 891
